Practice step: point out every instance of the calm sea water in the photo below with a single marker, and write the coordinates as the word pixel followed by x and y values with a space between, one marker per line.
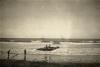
pixel 68 52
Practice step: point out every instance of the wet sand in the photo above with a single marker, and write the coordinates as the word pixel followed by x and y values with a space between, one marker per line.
pixel 22 63
pixel 82 52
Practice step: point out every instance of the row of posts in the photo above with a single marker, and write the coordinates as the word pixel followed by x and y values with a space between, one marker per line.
pixel 9 51
pixel 25 53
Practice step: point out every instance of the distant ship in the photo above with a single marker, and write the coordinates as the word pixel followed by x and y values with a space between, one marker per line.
pixel 48 48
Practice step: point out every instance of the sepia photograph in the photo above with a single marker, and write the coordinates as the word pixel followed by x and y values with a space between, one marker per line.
pixel 49 33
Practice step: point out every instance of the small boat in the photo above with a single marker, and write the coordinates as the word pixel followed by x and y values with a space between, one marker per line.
pixel 48 48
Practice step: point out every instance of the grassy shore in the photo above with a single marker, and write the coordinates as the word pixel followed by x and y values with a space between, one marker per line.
pixel 22 63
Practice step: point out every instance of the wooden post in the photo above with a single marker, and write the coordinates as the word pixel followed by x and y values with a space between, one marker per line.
pixel 8 52
pixel 24 54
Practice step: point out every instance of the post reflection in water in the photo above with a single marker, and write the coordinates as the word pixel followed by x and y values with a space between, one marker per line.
pixel 47 58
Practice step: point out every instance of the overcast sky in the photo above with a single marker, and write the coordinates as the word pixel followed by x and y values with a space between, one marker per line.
pixel 50 18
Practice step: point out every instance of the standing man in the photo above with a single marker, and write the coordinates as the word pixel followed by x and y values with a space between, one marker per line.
pixel 8 53
pixel 25 54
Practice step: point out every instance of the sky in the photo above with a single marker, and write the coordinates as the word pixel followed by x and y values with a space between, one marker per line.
pixel 50 19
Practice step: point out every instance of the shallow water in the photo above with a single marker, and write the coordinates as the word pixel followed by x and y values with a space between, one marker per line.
pixel 68 52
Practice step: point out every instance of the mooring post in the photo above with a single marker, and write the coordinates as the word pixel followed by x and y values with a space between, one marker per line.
pixel 8 52
pixel 24 54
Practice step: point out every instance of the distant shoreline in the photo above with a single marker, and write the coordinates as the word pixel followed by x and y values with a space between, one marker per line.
pixel 47 40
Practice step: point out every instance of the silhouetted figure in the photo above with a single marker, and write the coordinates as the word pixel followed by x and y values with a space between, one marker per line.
pixel 8 53
pixel 25 54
